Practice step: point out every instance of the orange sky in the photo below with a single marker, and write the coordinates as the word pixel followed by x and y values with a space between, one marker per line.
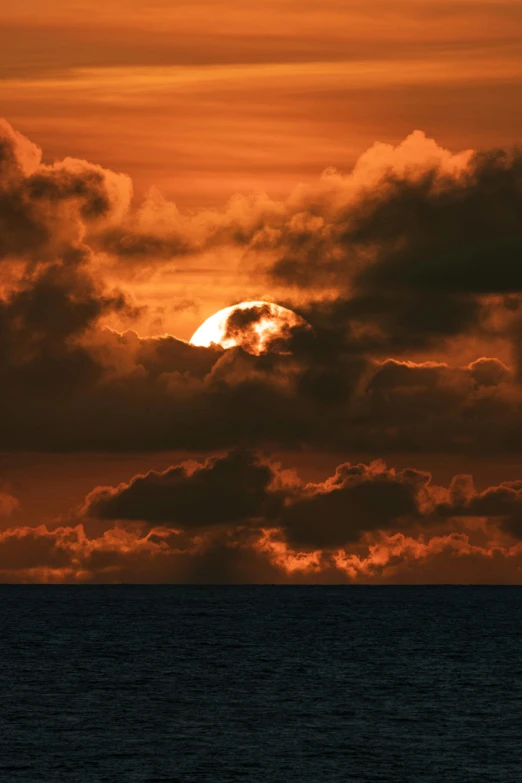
pixel 204 99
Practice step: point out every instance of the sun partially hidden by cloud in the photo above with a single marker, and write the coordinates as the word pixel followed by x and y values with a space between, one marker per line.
pixel 255 326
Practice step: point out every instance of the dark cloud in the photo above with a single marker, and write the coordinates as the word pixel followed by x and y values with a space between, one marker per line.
pixel 238 518
pixel 40 325
pixel 129 245
pixel 168 355
pixel 502 503
pixel 67 384
pixel 241 326
pixel 420 227
pixel 45 210
pixel 261 329
pixel 28 548
pixel 460 234
pixel 127 393
pixel 415 258
pixel 412 249
pixel 380 322
pixel 50 299
pixel 242 489
pixel 233 489
pixel 357 499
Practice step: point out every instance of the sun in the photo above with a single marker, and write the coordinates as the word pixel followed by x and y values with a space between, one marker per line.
pixel 256 326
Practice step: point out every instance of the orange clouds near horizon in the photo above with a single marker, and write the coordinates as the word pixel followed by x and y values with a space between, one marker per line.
pixel 201 522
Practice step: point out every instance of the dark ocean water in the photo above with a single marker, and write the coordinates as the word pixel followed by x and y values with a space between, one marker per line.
pixel 255 684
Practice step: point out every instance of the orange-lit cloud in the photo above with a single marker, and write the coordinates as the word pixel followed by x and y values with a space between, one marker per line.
pixel 447 534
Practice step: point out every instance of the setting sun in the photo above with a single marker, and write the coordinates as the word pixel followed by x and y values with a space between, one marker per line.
pixel 256 324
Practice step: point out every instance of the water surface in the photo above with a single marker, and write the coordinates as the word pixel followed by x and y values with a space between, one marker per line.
pixel 259 684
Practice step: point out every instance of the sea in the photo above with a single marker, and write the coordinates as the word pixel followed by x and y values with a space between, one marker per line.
pixel 260 684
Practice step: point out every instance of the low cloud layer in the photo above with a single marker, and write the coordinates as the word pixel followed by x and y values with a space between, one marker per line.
pixel 120 392
pixel 243 488
pixel 239 517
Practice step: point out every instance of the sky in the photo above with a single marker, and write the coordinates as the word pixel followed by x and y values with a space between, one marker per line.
pixel 355 163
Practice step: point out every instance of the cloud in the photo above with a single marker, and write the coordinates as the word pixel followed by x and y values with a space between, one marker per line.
pixel 462 234
pixel 28 548
pixel 229 490
pixel 46 210
pixel 243 489
pixel 238 518
pixel 502 503
pixel 401 253
pixel 41 324
pixel 50 298
pixel 67 554
pixel 357 499
pixel 412 243
pixel 412 217
pixel 350 383
pixel 128 393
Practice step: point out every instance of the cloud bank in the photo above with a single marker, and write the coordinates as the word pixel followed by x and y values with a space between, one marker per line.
pixel 414 248
pixel 239 517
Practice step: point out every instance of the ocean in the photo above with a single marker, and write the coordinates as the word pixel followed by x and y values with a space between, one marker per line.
pixel 260 684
